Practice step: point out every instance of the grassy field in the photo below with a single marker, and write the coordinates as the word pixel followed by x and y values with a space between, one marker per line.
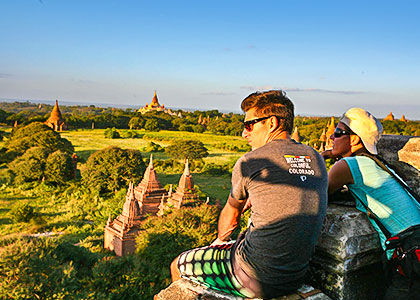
pixel 86 142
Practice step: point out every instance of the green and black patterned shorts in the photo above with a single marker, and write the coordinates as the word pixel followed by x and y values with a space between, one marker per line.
pixel 212 266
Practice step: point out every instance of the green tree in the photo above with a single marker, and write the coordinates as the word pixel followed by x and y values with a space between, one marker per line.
pixel 153 147
pixel 112 133
pixel 197 128
pixel 152 125
pixel 112 168
pixel 187 149
pixel 59 167
pixel 31 165
pixel 36 135
pixel 136 123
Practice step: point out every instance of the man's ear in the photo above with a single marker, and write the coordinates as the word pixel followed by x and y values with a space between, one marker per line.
pixel 274 123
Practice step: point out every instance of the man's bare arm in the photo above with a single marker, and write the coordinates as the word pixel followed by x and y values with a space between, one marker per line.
pixel 229 219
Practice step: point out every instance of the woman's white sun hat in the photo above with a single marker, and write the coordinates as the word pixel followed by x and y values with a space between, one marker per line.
pixel 365 125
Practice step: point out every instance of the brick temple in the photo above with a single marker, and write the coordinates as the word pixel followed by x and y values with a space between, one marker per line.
pixel 120 234
pixel 150 191
pixel 149 198
pixel 56 120
pixel 185 194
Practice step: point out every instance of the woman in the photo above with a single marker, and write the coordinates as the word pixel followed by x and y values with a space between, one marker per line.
pixel 376 191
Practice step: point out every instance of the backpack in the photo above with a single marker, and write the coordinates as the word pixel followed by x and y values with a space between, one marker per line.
pixel 406 256
pixel 406 244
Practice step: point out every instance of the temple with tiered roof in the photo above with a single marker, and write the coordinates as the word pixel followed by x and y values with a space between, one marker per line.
pixel 153 106
pixel 56 121
pixel 389 117
pixel 185 194
pixel 149 192
pixel 120 234
pixel 295 135
pixel 330 131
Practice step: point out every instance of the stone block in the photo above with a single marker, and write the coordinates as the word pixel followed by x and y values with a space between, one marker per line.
pixel 187 290
pixel 347 260
pixel 403 153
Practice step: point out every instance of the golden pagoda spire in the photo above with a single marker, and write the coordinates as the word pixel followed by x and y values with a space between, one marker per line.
pixel 331 128
pixel 323 137
pixel 295 135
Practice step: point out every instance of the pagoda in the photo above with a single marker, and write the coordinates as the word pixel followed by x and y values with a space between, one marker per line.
pixel 403 119
pixel 56 121
pixel 295 135
pixel 185 194
pixel 389 117
pixel 149 192
pixel 120 234
pixel 153 106
pixel 329 133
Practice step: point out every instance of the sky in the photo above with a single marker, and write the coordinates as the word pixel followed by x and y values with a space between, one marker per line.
pixel 327 55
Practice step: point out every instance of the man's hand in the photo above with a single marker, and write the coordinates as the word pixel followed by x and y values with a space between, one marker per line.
pixel 326 154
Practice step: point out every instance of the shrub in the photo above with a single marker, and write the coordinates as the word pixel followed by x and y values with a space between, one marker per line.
pixel 44 268
pixel 112 133
pixel 152 147
pixel 22 212
pixel 59 167
pixel 112 168
pixel 130 134
pixel 36 135
pixel 31 165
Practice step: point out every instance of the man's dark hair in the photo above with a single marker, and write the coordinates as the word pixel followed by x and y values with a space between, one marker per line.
pixel 272 103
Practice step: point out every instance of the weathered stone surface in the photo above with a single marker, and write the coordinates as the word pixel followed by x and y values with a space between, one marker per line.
pixel 187 290
pixel 403 152
pixel 347 260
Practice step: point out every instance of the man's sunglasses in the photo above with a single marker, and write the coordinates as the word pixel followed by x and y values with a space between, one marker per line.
pixel 250 124
pixel 340 132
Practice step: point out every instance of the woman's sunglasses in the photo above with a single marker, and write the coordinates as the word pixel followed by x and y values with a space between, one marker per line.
pixel 340 132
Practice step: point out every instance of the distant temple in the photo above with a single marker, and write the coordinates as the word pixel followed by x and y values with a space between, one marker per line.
pixel 185 194
pixel 296 135
pixel 56 121
pixel 120 234
pixel 403 118
pixel 389 117
pixel 330 131
pixel 153 106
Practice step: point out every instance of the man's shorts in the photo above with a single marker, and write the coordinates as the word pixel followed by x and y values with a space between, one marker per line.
pixel 212 266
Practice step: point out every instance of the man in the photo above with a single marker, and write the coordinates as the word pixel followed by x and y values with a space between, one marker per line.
pixel 356 136
pixel 285 183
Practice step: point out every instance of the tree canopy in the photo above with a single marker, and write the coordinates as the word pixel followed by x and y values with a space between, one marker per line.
pixel 112 168
pixel 187 149
pixel 36 135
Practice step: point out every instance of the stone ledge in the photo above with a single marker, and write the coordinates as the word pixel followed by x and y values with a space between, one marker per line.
pixel 187 290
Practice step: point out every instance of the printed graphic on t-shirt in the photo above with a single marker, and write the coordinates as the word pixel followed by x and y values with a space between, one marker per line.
pixel 299 165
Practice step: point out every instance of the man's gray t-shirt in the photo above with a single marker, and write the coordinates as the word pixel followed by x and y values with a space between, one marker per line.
pixel 286 183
